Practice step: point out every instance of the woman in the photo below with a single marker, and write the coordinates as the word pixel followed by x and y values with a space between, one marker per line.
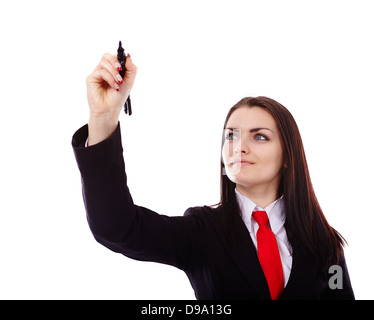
pixel 267 238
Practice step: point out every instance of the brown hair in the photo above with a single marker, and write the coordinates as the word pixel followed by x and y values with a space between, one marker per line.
pixel 305 222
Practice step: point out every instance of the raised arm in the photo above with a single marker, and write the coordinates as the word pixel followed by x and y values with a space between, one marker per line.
pixel 115 221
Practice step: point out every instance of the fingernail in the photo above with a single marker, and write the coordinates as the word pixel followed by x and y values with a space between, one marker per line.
pixel 116 86
pixel 119 78
pixel 118 66
pixel 128 55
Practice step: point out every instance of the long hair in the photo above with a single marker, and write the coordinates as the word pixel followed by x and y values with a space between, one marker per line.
pixel 305 222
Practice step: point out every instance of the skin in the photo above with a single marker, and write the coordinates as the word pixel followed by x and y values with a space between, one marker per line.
pixel 106 94
pixel 252 154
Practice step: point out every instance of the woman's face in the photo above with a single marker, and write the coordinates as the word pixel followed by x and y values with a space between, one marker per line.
pixel 252 151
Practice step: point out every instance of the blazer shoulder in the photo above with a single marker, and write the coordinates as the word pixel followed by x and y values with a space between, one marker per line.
pixel 212 213
pixel 201 210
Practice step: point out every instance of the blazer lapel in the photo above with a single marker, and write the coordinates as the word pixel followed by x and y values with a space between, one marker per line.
pixel 303 272
pixel 244 255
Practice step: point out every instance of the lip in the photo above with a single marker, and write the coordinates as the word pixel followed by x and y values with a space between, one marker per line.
pixel 242 162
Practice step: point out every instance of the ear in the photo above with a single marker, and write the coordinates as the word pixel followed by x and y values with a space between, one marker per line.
pixel 285 166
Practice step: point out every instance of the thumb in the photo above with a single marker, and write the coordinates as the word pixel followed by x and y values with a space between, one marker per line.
pixel 131 70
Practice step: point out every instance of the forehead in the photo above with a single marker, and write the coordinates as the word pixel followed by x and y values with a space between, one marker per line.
pixel 251 117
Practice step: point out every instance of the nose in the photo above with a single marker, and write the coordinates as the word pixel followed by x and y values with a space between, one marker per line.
pixel 241 147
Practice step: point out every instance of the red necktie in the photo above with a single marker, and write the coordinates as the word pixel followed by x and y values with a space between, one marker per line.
pixel 268 255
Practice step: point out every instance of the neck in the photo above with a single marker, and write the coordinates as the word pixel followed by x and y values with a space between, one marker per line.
pixel 262 196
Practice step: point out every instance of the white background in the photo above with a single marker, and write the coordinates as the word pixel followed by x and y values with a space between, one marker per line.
pixel 195 59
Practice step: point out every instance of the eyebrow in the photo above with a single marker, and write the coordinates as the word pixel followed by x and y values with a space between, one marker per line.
pixel 252 130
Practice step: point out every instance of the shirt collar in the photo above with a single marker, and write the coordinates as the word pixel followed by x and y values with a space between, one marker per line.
pixel 275 212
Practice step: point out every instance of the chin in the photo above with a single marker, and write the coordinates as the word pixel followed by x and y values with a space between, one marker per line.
pixel 247 183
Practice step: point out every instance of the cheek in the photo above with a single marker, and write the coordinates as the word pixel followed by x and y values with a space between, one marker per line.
pixel 274 161
pixel 226 152
pixel 223 155
pixel 229 147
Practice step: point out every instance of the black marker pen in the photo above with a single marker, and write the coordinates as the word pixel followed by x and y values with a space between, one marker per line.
pixel 121 56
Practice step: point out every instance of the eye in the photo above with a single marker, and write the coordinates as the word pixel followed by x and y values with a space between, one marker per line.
pixel 260 137
pixel 230 136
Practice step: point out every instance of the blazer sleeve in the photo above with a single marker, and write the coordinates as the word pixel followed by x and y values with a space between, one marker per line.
pixel 115 221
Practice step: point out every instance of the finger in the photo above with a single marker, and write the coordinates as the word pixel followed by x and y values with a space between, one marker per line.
pixel 102 77
pixel 112 59
pixel 111 65
pixel 131 70
pixel 130 66
pixel 106 65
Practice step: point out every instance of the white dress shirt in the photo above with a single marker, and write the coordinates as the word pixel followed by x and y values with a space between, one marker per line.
pixel 277 216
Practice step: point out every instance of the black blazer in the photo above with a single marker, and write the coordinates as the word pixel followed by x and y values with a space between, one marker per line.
pixel 194 243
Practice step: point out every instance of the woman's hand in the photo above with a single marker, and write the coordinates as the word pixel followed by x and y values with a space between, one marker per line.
pixel 107 93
